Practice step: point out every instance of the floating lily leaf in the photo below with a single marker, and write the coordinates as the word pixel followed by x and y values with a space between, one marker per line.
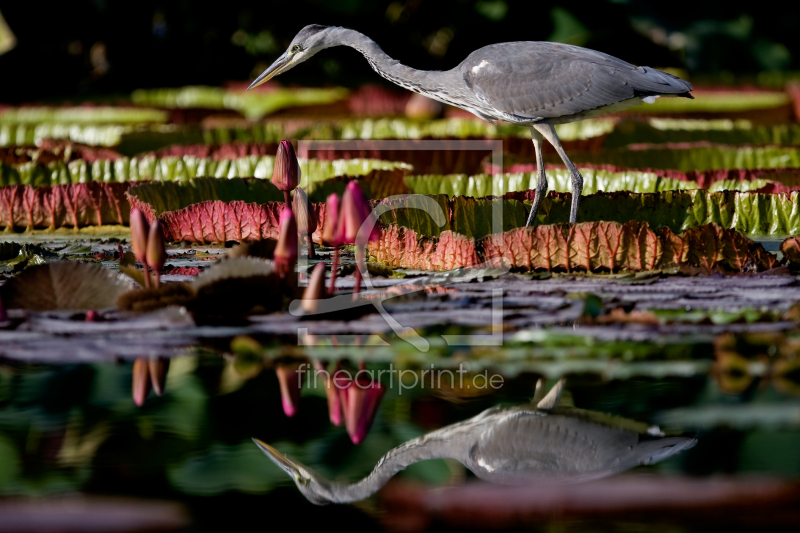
pixel 82 115
pixel 53 150
pixel 589 246
pixel 152 168
pixel 720 130
pixel 230 286
pixel 400 128
pixel 717 102
pixel 64 285
pixel 64 205
pixel 208 210
pixel 75 205
pixel 781 179
pixel 697 156
pixel 747 212
pixel 559 179
pixel 128 139
pixel 252 105
pixel 150 299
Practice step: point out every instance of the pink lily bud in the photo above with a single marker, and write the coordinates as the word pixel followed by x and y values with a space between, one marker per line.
pixel 315 290
pixel 334 402
pixel 360 400
pixel 139 230
pixel 91 316
pixel 286 172
pixel 156 254
pixel 355 213
pixel 158 373
pixel 304 213
pixel 141 381
pixel 285 254
pixel 329 227
pixel 290 379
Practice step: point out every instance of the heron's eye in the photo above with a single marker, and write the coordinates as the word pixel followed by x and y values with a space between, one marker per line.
pixel 296 48
pixel 303 481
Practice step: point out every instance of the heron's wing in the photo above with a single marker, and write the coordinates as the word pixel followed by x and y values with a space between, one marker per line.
pixel 549 80
pixel 563 448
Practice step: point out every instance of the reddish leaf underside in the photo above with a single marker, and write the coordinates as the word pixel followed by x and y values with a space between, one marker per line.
pixel 73 205
pixel 215 221
pixel 588 246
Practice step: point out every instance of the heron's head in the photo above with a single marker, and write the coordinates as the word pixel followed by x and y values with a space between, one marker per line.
pixel 311 484
pixel 305 44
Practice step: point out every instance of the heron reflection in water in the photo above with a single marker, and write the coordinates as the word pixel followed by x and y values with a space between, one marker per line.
pixel 537 442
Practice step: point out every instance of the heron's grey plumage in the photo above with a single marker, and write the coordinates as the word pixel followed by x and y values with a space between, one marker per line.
pixel 534 84
pixel 541 442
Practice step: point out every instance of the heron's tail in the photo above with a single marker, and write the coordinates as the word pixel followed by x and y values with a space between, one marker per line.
pixel 648 81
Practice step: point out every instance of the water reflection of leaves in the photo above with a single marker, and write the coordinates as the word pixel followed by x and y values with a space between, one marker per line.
pixel 742 360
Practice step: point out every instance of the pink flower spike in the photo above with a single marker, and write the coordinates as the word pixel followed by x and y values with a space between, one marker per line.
pixel 291 382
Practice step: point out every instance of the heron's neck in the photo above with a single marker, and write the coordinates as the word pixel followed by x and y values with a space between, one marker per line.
pixel 419 449
pixel 391 69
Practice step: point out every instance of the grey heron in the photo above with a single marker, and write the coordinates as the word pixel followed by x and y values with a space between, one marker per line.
pixel 536 442
pixel 532 84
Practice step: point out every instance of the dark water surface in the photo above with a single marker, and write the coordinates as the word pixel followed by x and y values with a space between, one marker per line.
pixel 75 449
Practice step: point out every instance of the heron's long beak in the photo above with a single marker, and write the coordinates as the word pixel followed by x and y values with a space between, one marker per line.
pixel 286 464
pixel 274 69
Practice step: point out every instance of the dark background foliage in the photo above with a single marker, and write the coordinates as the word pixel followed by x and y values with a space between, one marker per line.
pixel 89 48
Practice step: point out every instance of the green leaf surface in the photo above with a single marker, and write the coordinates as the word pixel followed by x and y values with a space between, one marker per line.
pixel 170 196
pixel 700 157
pixel 399 128
pixel 682 130
pixel 252 105
pixel 747 212
pixel 82 115
pixel 152 168
pixel 559 179
pixel 717 102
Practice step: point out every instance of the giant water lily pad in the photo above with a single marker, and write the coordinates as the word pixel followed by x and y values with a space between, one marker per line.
pixel 588 246
pixel 64 285
pixel 253 105
pixel 559 179
pixel 398 128
pixel 750 213
pixel 73 205
pixel 171 168
pixel 82 115
pixel 698 156
pixel 717 102
pixel 685 130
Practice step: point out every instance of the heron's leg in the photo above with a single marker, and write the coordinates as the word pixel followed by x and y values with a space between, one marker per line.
pixel 541 184
pixel 549 133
